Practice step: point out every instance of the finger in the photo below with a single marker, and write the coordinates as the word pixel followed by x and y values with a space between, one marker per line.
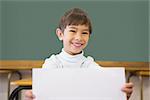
pixel 127 90
pixel 129 85
pixel 29 95
pixel 28 99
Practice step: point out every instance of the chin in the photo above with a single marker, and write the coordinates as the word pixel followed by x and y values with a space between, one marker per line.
pixel 77 52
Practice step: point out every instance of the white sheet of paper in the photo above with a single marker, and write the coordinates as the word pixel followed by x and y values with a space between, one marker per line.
pixel 79 84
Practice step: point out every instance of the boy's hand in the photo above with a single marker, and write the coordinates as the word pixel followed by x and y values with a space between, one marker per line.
pixel 128 89
pixel 29 95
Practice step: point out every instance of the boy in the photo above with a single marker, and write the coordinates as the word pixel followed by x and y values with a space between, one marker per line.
pixel 74 31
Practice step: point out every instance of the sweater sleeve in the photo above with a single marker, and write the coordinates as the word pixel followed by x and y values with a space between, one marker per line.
pixel 51 62
pixel 92 63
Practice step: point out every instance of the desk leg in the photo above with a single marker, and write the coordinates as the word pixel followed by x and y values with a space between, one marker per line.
pixel 141 87
pixel 8 85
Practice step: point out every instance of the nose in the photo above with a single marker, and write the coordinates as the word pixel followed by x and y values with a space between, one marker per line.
pixel 78 36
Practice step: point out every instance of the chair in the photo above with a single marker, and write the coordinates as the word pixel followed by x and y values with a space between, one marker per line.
pixel 23 84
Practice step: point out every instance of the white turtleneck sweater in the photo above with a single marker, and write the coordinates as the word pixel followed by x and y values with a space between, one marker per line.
pixel 65 60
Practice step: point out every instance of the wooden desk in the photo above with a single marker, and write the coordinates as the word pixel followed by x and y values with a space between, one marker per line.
pixel 29 64
pixel 128 65
pixel 22 82
pixel 20 64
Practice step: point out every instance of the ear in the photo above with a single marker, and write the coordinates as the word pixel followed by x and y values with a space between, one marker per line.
pixel 59 34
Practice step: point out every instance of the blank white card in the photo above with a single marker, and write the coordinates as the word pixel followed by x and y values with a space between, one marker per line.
pixel 79 84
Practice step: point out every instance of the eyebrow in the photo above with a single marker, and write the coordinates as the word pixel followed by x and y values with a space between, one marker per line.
pixel 72 27
pixel 76 28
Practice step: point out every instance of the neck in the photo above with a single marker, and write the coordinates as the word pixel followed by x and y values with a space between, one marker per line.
pixel 73 54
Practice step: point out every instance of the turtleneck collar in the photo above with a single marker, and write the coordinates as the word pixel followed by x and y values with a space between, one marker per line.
pixel 72 58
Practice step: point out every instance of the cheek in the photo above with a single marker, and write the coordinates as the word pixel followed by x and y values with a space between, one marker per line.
pixel 86 39
pixel 66 40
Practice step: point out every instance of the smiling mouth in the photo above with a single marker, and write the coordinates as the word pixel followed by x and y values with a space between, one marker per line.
pixel 77 44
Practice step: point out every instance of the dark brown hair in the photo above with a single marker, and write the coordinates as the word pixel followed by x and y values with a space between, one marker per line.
pixel 75 16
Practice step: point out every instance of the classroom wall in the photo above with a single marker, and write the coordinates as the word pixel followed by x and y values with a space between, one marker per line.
pixel 120 28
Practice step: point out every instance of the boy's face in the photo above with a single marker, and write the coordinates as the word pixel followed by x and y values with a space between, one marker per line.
pixel 75 38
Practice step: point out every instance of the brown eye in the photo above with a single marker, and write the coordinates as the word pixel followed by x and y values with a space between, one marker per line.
pixel 72 31
pixel 85 33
